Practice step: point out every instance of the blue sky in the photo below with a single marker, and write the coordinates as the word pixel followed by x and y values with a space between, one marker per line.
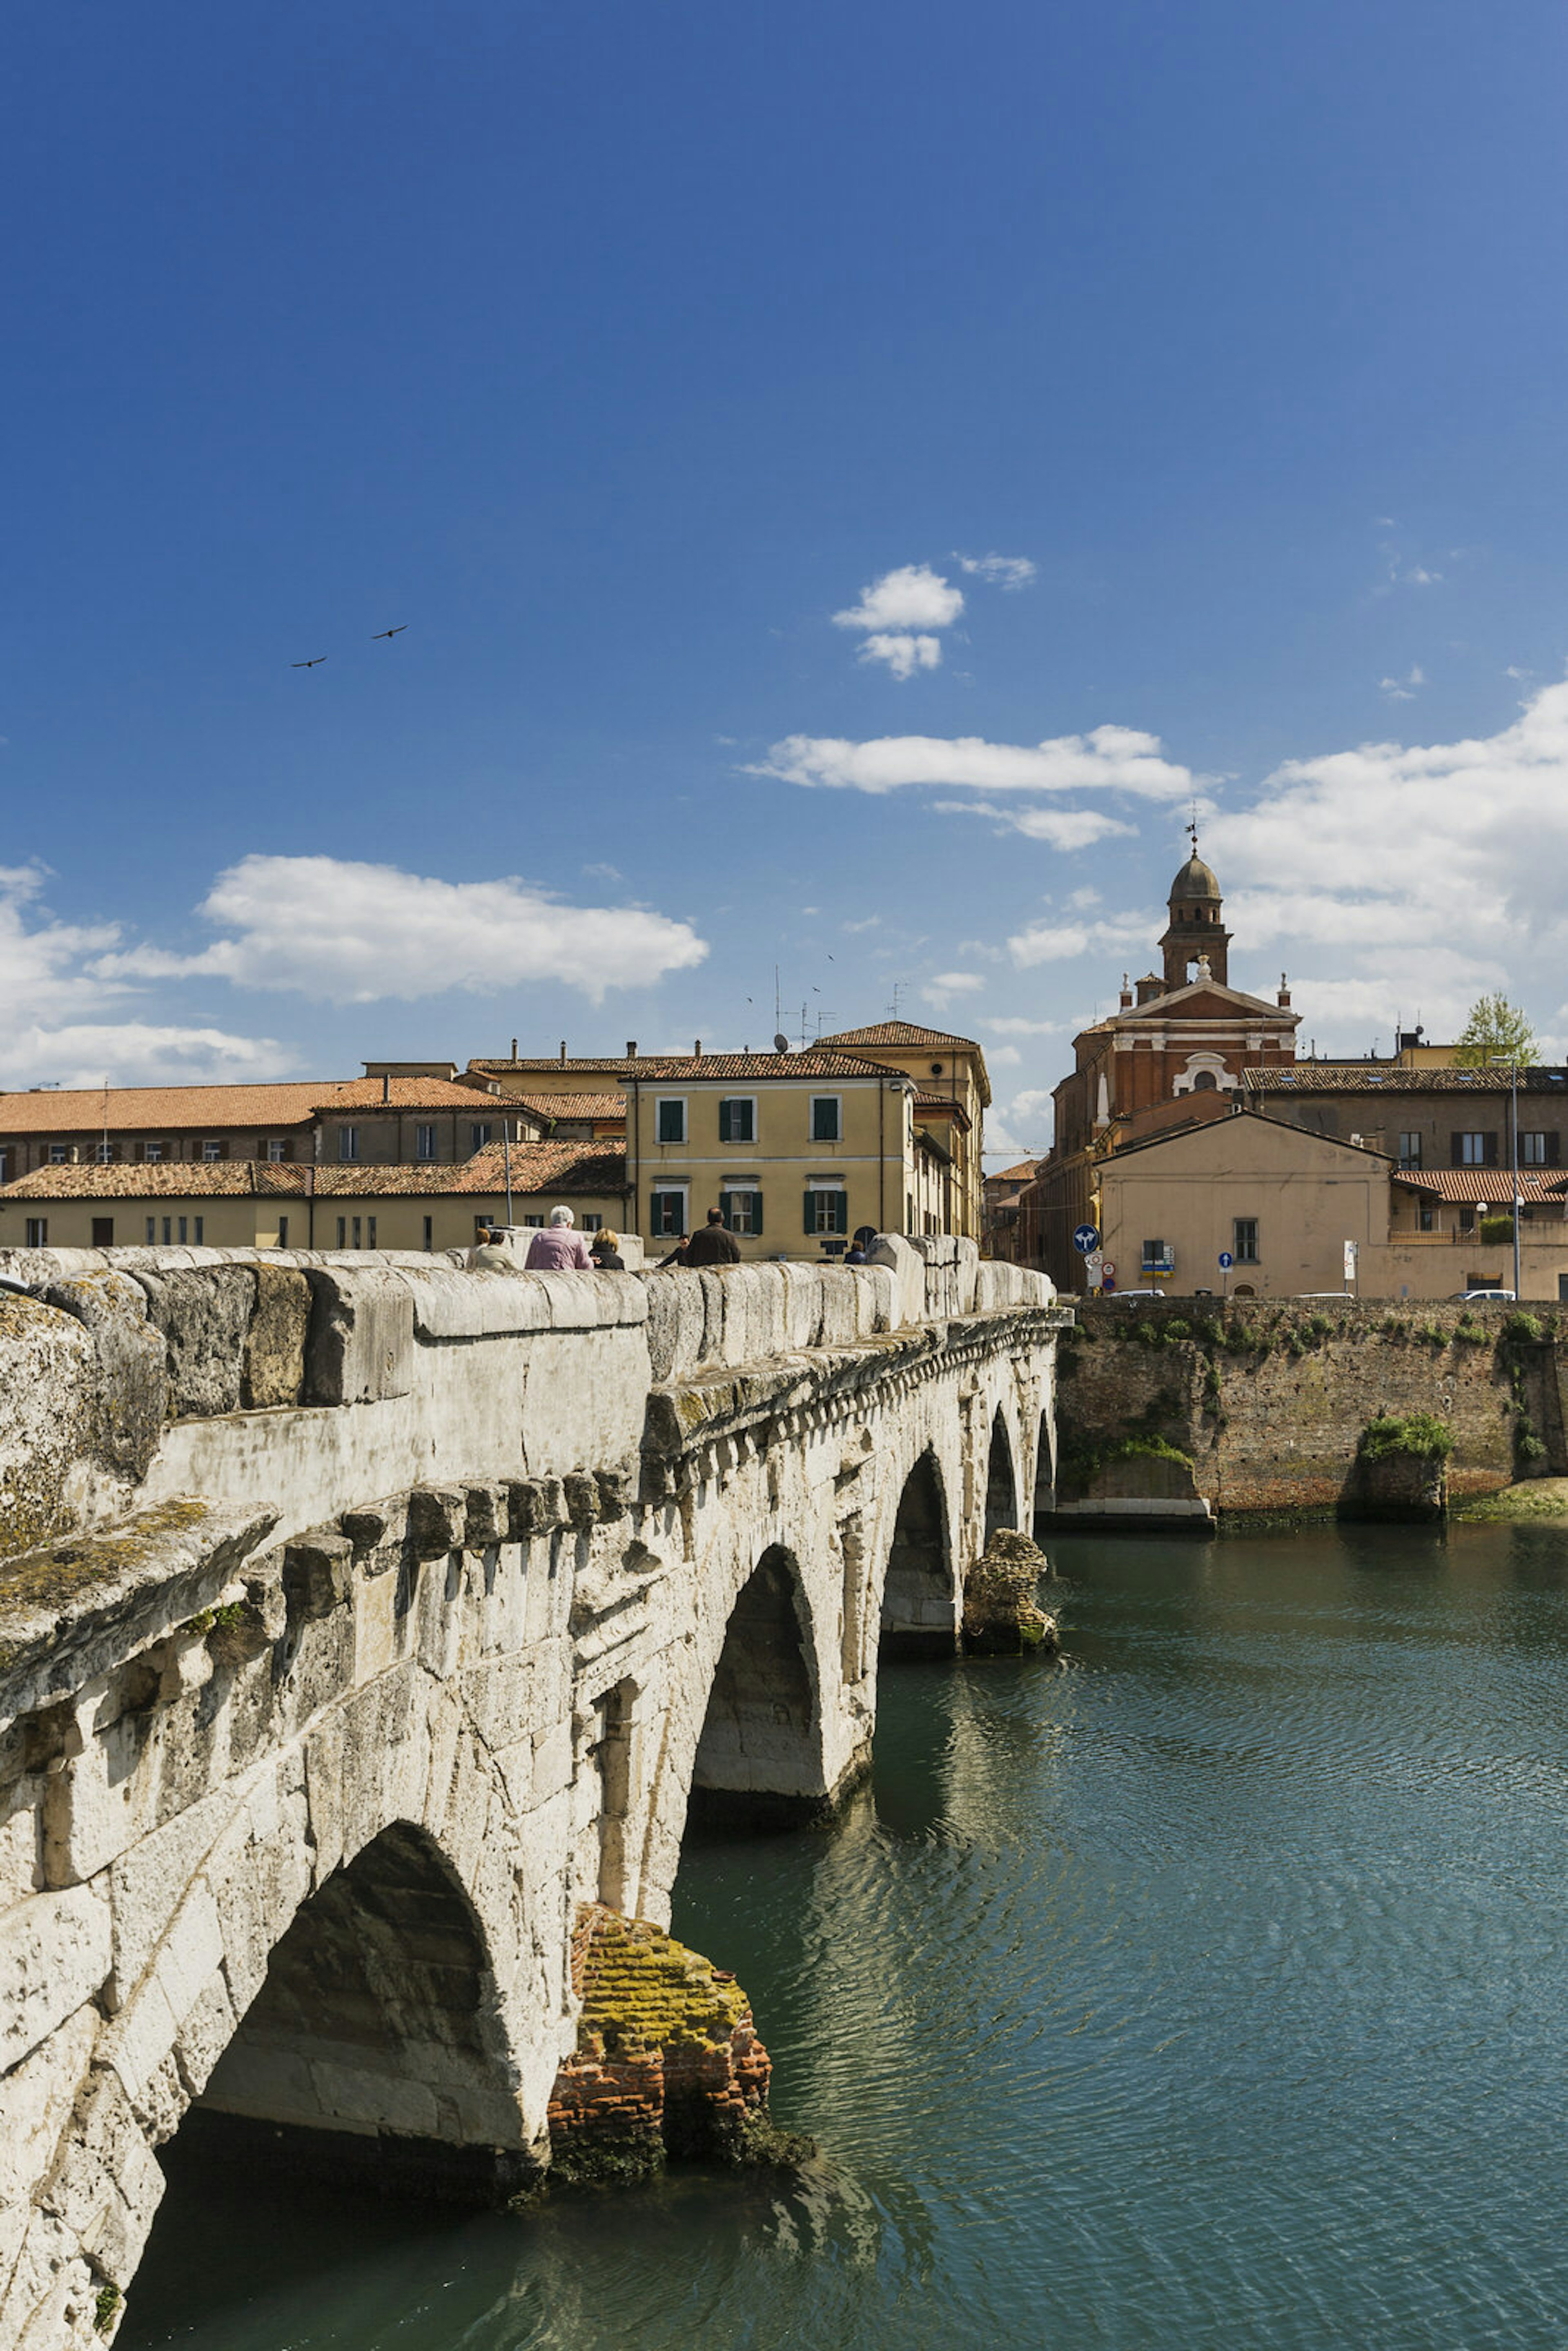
pixel 616 351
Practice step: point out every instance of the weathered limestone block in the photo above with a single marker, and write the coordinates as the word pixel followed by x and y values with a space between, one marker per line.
pixel 360 1345
pixel 1002 1617
pixel 841 1306
pixel 133 1381
pixel 48 1420
pixel 662 1291
pixel 273 1367
pixel 204 1314
pixel 437 1520
pixel 318 1574
pixel 894 1255
pixel 55 1953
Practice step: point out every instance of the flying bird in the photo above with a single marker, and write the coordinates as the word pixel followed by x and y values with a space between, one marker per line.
pixel 309 664
pixel 389 632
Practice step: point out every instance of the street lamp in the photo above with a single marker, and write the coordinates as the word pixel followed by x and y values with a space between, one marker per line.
pixel 1513 1061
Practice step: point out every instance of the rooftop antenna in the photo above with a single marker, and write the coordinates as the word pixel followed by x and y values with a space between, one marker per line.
pixel 777 1001
pixel 893 1008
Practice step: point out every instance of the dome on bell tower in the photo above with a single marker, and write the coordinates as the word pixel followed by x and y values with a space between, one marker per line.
pixel 1195 881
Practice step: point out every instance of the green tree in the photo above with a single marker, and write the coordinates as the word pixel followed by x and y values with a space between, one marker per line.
pixel 1496 1027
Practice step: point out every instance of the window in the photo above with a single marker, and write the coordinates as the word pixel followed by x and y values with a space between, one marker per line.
pixel 1475 1150
pixel 151 1232
pixel 1540 1150
pixel 737 1119
pixel 168 1231
pixel 1246 1250
pixel 59 1154
pixel 370 1232
pixel 152 1153
pixel 478 1134
pixel 103 1232
pixel 534 1224
pixel 425 1142
pixel 1410 1150
pixel 826 1207
pixel 667 1209
pixel 198 1227
pixel 590 1224
pixel 1426 1217
pixel 1158 1257
pixel 38 1232
pixel 342 1232
pixel 672 1121
pixel 182 1231
pixel 825 1118
pixel 105 1154
pixel 283 1232
pixel 741 1208
pixel 277 1150
pixel 358 1233
pixel 211 1152
pixel 348 1142
pixel 430 1232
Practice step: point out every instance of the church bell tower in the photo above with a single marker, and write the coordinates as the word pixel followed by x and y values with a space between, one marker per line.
pixel 1195 926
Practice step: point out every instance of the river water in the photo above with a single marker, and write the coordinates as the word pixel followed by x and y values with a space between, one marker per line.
pixel 1209 1991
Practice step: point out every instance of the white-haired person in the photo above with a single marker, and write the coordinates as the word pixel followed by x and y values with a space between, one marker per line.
pixel 558 1249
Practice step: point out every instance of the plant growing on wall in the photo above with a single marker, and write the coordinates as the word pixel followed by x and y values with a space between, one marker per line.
pixel 1420 1433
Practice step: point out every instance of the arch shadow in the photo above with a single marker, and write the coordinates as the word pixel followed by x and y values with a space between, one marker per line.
pixel 919 1602
pixel 759 1761
pixel 375 2048
pixel 1002 1479
pixel 1044 1472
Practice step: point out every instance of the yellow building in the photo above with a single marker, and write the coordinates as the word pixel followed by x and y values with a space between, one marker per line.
pixel 799 1150
pixel 953 1094
pixel 257 1203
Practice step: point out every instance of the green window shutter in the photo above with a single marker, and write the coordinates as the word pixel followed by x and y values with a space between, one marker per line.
pixel 840 1212
pixel 757 1212
pixel 726 1199
pixel 724 1136
pixel 810 1212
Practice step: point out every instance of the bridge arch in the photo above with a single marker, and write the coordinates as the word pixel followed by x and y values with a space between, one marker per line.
pixel 918 1610
pixel 758 1757
pixel 1001 1477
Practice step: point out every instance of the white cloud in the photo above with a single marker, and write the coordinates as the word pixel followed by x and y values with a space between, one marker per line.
pixel 903 654
pixel 351 933
pixel 1418 576
pixel 1407 880
pixel 913 597
pixel 1107 758
pixel 1010 571
pixel 59 1007
pixel 1514 671
pixel 1013 1024
pixel 1004 1057
pixel 941 989
pixel 1049 942
pixel 1403 689
pixel 1065 829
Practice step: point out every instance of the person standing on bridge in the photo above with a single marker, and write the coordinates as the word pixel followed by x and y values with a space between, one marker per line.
pixel 558 1249
pixel 713 1245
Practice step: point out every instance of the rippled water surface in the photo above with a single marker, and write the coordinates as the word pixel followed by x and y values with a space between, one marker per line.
pixel 1210 1992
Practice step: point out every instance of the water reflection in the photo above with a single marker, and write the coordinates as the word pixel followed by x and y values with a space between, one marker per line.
pixel 1207 1991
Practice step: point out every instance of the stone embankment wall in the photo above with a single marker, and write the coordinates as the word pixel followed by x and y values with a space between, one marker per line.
pixel 1267 1402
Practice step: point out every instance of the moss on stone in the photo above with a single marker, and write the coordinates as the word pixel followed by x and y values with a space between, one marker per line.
pixel 55 1577
pixel 643 1990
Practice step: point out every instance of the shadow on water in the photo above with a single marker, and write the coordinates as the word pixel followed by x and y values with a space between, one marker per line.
pixel 1209 1990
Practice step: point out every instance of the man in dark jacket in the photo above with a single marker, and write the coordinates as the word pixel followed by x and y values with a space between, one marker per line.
pixel 713 1245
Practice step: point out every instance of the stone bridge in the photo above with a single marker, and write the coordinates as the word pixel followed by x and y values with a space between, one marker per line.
pixel 360 1619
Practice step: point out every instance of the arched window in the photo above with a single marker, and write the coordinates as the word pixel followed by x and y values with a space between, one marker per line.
pixel 1203 1083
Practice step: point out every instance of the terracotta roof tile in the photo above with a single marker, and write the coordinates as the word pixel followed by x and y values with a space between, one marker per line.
pixel 1493 1184
pixel 160 1109
pixel 907 1033
pixel 579 1166
pixel 548 1105
pixel 1315 1078
pixel 811 1060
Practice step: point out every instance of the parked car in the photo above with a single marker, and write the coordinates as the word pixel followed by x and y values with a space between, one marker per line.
pixel 1499 1297
pixel 1351 1294
pixel 1134 1293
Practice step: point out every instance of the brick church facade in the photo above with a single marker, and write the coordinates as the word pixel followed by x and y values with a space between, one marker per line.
pixel 1171 1055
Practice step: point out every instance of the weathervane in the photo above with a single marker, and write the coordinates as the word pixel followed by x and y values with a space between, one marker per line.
pixel 1192 827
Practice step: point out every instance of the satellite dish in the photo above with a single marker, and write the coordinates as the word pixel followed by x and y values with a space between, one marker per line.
pixel 781 1043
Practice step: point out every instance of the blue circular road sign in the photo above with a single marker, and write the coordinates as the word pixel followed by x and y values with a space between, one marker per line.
pixel 1226 1260
pixel 1085 1238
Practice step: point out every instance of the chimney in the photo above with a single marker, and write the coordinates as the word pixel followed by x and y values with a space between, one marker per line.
pixel 563 1049
pixel 698 1047
pixel 514 1048
pixel 631 1048
pixel 1149 988
pixel 1126 994
pixel 386 1085
pixel 1285 994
